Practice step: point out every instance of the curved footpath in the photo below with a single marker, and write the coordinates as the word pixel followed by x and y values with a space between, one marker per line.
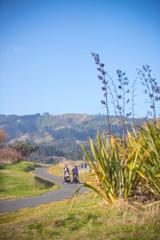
pixel 66 191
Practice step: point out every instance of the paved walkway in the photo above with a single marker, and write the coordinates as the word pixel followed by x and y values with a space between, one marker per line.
pixel 66 191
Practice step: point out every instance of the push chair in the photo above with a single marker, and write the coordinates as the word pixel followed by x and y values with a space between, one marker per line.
pixel 75 178
pixel 67 178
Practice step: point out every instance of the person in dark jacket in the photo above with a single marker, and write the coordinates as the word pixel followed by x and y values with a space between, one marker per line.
pixel 75 174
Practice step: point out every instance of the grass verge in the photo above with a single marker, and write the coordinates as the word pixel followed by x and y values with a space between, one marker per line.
pixel 89 219
pixel 17 180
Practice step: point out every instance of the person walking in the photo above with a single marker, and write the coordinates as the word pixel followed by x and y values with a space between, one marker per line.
pixel 75 174
pixel 67 178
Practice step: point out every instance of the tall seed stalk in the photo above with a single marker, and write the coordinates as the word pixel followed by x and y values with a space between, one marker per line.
pixel 133 102
pixel 151 88
pixel 105 84
pixel 123 83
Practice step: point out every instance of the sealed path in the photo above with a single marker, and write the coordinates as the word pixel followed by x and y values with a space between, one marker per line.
pixel 65 191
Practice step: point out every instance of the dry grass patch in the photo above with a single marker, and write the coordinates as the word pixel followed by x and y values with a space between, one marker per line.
pixel 89 219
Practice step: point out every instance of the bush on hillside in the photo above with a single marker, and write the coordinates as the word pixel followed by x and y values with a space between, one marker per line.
pixel 8 155
pixel 2 137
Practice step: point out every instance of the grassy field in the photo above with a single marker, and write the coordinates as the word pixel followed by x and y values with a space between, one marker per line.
pixel 16 181
pixel 89 219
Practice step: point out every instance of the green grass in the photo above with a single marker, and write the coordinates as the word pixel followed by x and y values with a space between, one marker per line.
pixel 89 219
pixel 17 181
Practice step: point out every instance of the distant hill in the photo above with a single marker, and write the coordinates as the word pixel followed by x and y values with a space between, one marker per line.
pixel 57 134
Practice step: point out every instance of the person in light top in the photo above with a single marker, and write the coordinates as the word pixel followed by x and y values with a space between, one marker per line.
pixel 66 174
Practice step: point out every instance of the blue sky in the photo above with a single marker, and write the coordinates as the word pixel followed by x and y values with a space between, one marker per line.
pixel 45 46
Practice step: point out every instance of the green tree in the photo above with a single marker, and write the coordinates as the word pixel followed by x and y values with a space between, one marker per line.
pixel 25 148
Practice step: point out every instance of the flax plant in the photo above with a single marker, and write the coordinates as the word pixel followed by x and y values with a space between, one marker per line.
pixel 118 168
pixel 150 152
pixel 115 172
pixel 118 165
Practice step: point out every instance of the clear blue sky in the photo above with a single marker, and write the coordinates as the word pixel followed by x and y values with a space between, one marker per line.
pixel 45 62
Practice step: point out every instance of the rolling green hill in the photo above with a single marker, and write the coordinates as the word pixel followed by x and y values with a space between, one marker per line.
pixel 57 135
